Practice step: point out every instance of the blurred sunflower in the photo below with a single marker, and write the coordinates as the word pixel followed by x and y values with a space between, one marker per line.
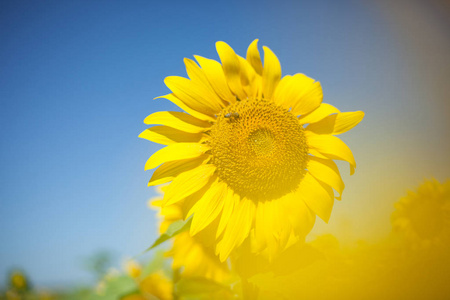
pixel 132 268
pixel 253 152
pixel 190 256
pixel 423 216
pixel 18 281
pixel 153 286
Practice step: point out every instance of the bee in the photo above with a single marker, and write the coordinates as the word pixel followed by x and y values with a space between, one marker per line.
pixel 232 115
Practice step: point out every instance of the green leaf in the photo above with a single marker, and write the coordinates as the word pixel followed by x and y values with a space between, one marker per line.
pixel 175 228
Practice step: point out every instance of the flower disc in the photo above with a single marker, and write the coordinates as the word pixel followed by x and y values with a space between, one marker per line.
pixel 259 149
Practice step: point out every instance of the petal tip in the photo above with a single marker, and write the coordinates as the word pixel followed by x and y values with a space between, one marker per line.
pixel 221 44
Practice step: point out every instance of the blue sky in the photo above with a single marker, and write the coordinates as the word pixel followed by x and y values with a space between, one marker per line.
pixel 78 78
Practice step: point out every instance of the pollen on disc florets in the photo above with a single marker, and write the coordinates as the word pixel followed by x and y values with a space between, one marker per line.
pixel 259 149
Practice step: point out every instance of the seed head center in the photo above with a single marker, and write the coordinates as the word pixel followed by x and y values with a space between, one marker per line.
pixel 262 142
pixel 259 149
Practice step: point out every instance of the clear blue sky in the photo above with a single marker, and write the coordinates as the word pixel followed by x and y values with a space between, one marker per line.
pixel 78 77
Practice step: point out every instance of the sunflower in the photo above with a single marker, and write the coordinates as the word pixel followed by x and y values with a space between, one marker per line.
pixel 18 281
pixel 153 286
pixel 252 153
pixel 132 268
pixel 423 216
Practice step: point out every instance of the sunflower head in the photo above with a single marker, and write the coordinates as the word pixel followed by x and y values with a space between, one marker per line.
pixel 18 281
pixel 423 216
pixel 132 268
pixel 252 156
pixel 259 149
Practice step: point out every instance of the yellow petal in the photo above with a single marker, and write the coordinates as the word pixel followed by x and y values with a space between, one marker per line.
pixel 178 120
pixel 229 203
pixel 237 229
pixel 167 135
pixel 260 224
pixel 331 147
pixel 291 89
pixel 318 114
pixel 254 58
pixel 208 207
pixel 197 75
pixel 188 183
pixel 317 153
pixel 271 73
pixel 305 94
pixel 193 94
pixel 300 216
pixel 207 236
pixel 189 202
pixel 169 170
pixel 248 77
pixel 271 228
pixel 214 72
pixel 231 68
pixel 187 108
pixel 317 196
pixel 282 229
pixel 175 152
pixel 337 123
pixel 280 96
pixel 326 171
